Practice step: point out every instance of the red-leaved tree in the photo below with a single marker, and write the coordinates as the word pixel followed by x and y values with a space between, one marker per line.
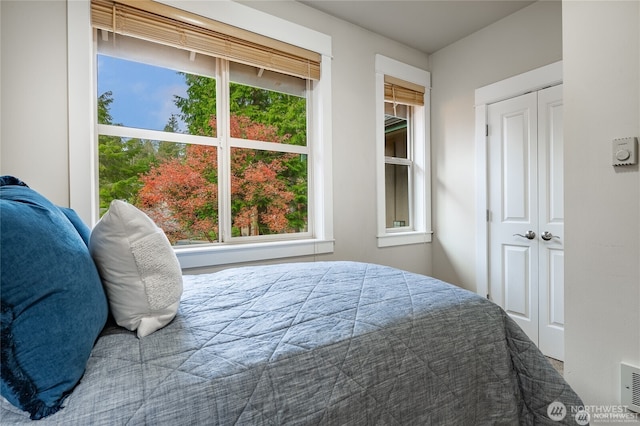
pixel 181 194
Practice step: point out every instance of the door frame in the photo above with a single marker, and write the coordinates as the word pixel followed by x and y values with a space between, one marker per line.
pixel 539 78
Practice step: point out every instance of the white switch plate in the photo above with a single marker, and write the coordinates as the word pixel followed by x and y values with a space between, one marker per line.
pixel 625 151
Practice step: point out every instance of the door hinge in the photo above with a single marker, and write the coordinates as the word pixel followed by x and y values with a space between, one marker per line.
pixel 488 215
pixel 488 297
pixel 486 130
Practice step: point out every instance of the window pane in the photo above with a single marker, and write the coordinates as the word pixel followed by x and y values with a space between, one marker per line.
pixel 181 195
pixel 175 184
pixel 269 80
pixel 155 98
pixel 397 195
pixel 395 130
pixel 268 192
pixel 262 113
pixel 147 52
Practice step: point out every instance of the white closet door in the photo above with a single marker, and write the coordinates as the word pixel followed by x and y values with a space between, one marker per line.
pixel 513 225
pixel 526 218
pixel 551 222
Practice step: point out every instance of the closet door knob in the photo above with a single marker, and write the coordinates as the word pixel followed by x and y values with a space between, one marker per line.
pixel 546 235
pixel 529 235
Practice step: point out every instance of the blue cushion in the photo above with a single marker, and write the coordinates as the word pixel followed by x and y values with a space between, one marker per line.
pixel 53 303
pixel 81 227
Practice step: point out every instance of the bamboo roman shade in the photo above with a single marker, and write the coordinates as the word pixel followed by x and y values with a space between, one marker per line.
pixel 167 25
pixel 403 92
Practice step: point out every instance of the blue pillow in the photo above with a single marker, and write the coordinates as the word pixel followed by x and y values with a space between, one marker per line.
pixel 53 304
pixel 81 228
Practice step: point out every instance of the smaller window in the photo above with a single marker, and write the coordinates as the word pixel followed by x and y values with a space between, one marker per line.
pixel 398 167
pixel 402 146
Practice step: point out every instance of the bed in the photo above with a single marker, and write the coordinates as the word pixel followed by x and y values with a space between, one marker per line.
pixel 317 343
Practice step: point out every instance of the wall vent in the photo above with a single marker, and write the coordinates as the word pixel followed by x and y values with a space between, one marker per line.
pixel 630 381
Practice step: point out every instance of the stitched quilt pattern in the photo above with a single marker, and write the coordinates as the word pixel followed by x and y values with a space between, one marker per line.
pixel 325 343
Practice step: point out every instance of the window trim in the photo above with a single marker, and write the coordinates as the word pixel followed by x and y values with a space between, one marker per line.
pixel 82 131
pixel 421 197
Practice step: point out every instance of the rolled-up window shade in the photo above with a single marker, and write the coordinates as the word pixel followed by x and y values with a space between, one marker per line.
pixel 403 92
pixel 164 24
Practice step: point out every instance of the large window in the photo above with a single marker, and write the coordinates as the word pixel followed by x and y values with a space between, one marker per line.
pixel 211 150
pixel 403 154
pixel 219 134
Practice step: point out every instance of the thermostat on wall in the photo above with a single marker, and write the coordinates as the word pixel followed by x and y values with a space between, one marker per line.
pixel 625 151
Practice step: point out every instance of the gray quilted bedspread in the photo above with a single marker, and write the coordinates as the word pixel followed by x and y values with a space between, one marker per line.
pixel 327 343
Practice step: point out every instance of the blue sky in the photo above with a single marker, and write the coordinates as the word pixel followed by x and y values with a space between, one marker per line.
pixel 142 94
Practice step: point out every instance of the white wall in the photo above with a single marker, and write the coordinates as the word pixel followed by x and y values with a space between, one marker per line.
pixel 527 39
pixel 35 132
pixel 602 203
pixel 34 95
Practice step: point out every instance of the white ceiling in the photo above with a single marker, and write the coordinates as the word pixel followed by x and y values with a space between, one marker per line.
pixel 426 25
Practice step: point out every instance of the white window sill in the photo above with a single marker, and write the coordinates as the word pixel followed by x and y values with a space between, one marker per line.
pixel 403 238
pixel 203 256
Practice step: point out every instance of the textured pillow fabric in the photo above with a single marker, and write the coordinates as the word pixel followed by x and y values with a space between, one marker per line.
pixel 53 304
pixel 139 269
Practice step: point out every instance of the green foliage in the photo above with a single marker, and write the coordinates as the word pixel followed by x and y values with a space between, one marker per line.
pixel 120 161
pixel 199 106
pixel 297 181
pixel 287 113
pixel 104 102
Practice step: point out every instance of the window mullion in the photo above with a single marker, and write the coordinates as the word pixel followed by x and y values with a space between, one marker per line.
pixel 313 226
pixel 134 132
pixel 267 146
pixel 412 198
pixel 398 161
pixel 415 198
pixel 224 157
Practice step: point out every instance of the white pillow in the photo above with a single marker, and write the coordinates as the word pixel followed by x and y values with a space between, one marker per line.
pixel 139 269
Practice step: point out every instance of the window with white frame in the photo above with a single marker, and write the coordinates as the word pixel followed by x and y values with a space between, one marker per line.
pixel 398 166
pixel 403 177
pixel 217 150
pixel 165 149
